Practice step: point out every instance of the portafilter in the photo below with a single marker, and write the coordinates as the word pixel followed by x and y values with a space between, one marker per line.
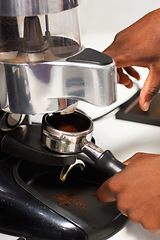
pixel 71 134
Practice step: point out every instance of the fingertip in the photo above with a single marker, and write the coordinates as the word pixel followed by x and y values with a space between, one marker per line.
pixel 99 197
pixel 137 76
pixel 150 89
pixel 130 85
pixel 144 102
pixel 104 196
pixel 145 106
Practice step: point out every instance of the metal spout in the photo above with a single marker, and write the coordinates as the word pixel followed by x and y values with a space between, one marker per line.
pixel 66 169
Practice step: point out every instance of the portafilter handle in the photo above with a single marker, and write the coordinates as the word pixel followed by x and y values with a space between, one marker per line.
pixel 104 161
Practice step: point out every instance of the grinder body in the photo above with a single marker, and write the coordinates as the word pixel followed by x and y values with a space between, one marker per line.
pixel 44 68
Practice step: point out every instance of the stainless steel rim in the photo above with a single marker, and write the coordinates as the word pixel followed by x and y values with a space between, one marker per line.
pixel 9 121
pixel 34 7
pixel 65 142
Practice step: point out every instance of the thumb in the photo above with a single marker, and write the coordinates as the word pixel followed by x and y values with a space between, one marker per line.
pixel 150 89
pixel 104 194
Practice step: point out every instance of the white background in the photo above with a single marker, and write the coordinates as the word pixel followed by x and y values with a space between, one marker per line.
pixel 113 15
pixel 106 18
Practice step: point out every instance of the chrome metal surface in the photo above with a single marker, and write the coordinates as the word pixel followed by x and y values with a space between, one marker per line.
pixel 9 121
pixel 34 7
pixel 62 141
pixel 63 134
pixel 66 169
pixel 52 86
pixel 92 150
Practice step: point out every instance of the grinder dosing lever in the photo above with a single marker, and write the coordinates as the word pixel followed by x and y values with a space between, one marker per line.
pixel 72 133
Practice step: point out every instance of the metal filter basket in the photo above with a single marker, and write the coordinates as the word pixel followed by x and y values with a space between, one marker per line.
pixel 71 134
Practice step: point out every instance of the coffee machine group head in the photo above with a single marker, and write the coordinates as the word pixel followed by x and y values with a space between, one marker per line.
pixel 43 66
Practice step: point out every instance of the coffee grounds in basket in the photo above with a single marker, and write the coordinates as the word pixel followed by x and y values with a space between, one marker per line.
pixel 69 122
pixel 67 127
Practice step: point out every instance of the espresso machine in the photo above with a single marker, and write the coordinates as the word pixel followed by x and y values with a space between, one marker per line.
pixel 50 170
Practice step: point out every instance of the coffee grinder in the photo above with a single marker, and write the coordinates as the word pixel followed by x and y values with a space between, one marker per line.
pixel 44 69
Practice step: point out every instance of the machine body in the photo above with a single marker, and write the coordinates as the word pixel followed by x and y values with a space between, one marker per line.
pixel 45 69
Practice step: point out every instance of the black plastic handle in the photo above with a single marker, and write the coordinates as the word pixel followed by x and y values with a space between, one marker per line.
pixel 108 164
pixel 89 55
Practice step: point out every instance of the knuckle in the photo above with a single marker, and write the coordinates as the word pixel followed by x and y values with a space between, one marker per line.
pixel 118 35
pixel 150 226
pixel 138 154
pixel 121 205
pixel 153 91
pixel 113 185
pixel 133 216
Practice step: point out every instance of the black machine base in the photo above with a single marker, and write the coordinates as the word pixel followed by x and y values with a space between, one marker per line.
pixel 36 204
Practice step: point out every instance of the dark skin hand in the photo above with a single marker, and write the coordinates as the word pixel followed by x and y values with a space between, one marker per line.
pixel 138 45
pixel 137 187
pixel 136 190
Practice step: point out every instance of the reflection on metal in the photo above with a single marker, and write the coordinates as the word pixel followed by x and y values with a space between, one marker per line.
pixel 9 121
pixel 66 169
pixel 53 86
pixel 66 133
pixel 34 7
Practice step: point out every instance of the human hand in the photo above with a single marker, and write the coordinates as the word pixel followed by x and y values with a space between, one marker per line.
pixel 139 45
pixel 136 190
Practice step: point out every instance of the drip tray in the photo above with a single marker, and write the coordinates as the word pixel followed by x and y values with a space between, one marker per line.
pixel 75 199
